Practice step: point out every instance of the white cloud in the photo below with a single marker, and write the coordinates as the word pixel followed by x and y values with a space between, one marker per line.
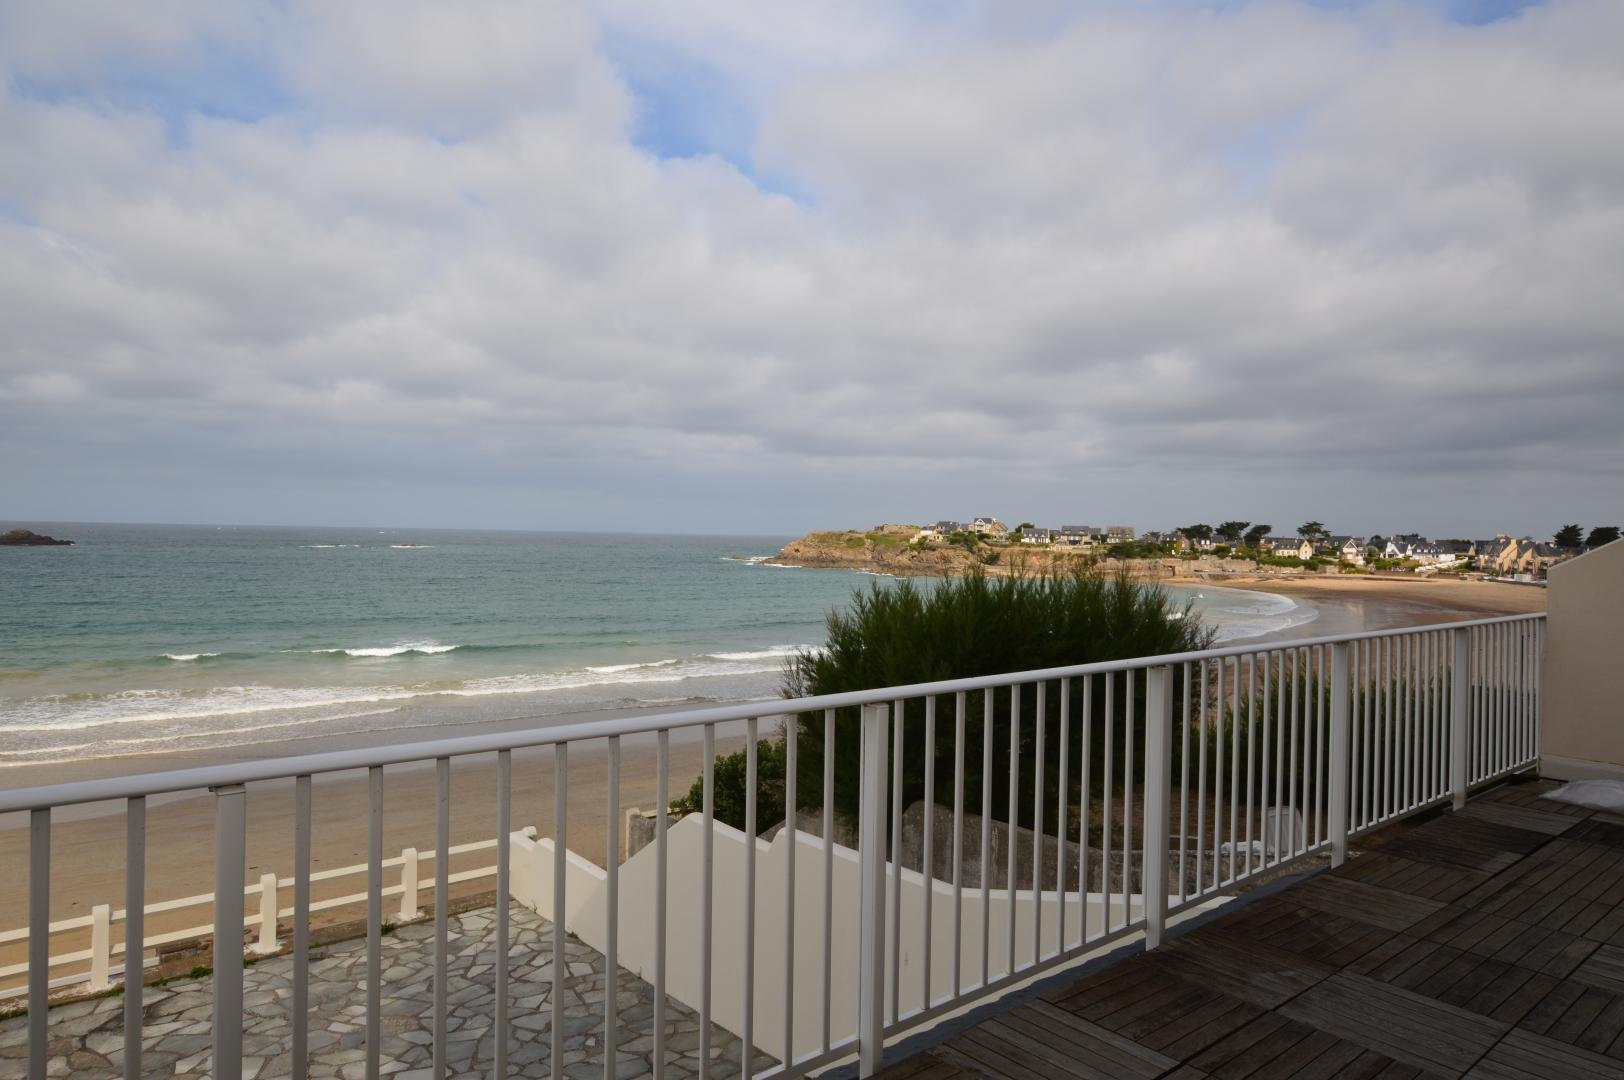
pixel 1031 258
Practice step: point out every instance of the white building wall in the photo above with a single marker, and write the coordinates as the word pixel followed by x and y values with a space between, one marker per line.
pixel 584 915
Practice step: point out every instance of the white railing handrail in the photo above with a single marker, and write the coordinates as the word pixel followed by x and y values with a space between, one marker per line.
pixel 139 785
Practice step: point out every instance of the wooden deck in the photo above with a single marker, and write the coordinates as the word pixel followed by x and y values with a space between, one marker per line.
pixel 1487 943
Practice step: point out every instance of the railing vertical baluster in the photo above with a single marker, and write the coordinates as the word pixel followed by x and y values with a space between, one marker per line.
pixel 135 899
pixel 1010 845
pixel 1085 807
pixel 1158 773
pixel 1321 689
pixel 1231 733
pixel 1201 780
pixel 300 1051
pixel 504 844
pixel 1337 781
pixel 1503 678
pixel 1062 817
pixel 374 993
pixel 958 841
pixel 707 897
pixel 1386 703
pixel 611 938
pixel 828 865
pixel 1037 828
pixel 1253 752
pixel 1295 658
pixel 1278 674
pixel 1106 892
pixel 747 1030
pixel 1127 798
pixel 893 975
pixel 986 834
pixel 230 847
pixel 662 822
pixel 871 933
pixel 561 963
pixel 39 939
pixel 792 738
pixel 1184 783
pixel 1460 680
pixel 928 860
pixel 1412 741
pixel 1235 768
pixel 442 900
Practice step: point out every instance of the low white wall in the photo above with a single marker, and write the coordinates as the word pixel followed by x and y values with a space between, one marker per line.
pixel 585 911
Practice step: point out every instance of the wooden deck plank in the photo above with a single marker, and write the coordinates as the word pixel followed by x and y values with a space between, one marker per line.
pixel 1250 970
pixel 1040 1016
pixel 1603 968
pixel 1522 817
pixel 1405 1026
pixel 1373 904
pixel 1521 1055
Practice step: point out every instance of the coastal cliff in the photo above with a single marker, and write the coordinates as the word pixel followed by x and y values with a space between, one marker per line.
pixel 889 549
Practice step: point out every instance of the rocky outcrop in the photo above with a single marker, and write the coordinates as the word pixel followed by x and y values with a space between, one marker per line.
pixel 24 538
pixel 889 549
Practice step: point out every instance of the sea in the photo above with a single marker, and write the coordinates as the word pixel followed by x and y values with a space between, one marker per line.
pixel 154 639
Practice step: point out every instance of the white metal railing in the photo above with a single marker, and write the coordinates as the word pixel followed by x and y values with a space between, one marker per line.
pixel 97 960
pixel 1158 782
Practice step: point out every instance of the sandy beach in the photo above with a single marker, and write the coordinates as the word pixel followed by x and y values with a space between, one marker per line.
pixel 88 842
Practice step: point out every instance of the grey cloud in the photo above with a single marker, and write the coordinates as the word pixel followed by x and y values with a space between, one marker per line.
pixel 1025 266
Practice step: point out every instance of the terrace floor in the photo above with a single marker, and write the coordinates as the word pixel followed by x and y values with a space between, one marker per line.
pixel 1487 943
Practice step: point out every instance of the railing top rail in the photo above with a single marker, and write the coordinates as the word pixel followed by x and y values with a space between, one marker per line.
pixel 208 776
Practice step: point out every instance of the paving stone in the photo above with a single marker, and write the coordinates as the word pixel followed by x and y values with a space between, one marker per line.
pixel 87 1037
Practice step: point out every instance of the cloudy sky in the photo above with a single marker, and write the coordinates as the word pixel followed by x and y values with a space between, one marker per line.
pixel 735 266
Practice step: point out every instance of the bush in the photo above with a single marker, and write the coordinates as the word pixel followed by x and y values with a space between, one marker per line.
pixel 975 625
pixel 728 781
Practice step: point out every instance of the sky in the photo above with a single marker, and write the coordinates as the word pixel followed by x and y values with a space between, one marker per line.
pixel 745 267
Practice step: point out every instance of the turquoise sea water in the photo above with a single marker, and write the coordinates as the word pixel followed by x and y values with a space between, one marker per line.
pixel 144 639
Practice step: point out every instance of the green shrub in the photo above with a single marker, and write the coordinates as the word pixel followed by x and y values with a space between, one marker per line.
pixel 729 776
pixel 975 625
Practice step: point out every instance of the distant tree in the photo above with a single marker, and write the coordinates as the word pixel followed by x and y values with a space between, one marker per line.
pixel 1023 526
pixel 1256 533
pixel 1232 530
pixel 1197 532
pixel 1601 534
pixel 1569 536
pixel 1376 542
pixel 1312 530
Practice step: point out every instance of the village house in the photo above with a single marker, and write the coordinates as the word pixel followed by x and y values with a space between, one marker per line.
pixel 939 530
pixel 1349 549
pixel 1035 535
pixel 1292 547
pixel 990 527
pixel 1118 534
pixel 1080 535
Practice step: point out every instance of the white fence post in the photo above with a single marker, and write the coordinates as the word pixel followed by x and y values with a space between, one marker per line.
pixel 101 946
pixel 1158 779
pixel 871 896
pixel 408 885
pixel 1460 708
pixel 1336 788
pixel 267 915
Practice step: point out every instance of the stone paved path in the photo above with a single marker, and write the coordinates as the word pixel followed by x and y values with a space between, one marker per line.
pixel 87 1037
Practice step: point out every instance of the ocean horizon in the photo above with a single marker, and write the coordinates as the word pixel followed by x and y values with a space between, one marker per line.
pixel 155 639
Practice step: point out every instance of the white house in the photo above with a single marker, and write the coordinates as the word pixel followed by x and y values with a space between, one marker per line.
pixel 938 530
pixel 1284 547
pixel 1035 535
pixel 1349 549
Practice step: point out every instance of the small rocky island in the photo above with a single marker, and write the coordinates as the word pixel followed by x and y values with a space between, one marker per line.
pixel 24 538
